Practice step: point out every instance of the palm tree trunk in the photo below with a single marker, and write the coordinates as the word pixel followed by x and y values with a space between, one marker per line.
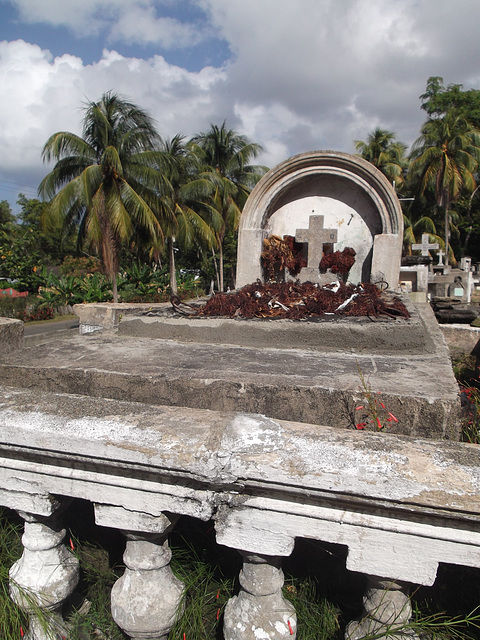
pixel 447 226
pixel 216 268
pixel 114 287
pixel 171 261
pixel 220 265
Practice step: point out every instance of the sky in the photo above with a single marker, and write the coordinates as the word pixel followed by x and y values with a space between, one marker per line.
pixel 292 75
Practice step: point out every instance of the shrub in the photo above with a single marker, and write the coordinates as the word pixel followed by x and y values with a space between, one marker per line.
pixel 78 267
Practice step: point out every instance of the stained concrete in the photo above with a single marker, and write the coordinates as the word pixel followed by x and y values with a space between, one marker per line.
pixel 11 335
pixel 317 386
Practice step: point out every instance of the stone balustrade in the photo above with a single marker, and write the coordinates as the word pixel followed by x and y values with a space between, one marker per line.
pixel 400 505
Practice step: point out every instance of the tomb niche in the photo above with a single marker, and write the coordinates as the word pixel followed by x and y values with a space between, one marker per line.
pixel 327 201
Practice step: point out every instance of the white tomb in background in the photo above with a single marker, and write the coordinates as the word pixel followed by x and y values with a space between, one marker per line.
pixel 354 198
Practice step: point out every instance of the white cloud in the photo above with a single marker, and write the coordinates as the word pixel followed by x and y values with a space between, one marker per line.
pixel 304 75
pixel 42 95
pixel 128 21
pixel 140 25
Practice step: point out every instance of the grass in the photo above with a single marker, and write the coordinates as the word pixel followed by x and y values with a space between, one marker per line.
pixel 325 595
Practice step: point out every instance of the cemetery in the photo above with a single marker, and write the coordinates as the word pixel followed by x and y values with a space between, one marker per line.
pixel 154 413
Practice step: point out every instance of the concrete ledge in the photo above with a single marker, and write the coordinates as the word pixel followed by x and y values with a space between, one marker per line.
pixel 11 335
pixel 315 386
pixel 400 505
pixel 460 338
pixel 107 315
pixel 341 334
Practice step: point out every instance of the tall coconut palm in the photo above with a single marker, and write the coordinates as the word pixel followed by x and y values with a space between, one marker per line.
pixel 226 155
pixel 385 153
pixel 182 196
pixel 105 181
pixel 444 159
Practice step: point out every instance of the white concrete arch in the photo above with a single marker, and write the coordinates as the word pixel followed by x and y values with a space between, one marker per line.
pixel 348 191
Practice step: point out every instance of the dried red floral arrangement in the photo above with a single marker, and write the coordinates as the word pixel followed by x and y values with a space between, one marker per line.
pixel 281 253
pixel 297 301
pixel 339 261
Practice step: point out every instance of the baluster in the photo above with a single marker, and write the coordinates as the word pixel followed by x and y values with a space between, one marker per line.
pixel 43 578
pixel 260 610
pixel 387 606
pixel 147 599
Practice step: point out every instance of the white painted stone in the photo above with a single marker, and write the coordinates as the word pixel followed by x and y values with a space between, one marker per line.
pixel 260 611
pixel 45 575
pixel 147 599
pixel 390 499
pixel 387 611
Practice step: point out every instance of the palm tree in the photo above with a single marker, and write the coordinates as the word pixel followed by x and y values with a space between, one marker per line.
pixel 105 182
pixel 444 159
pixel 385 153
pixel 184 189
pixel 226 155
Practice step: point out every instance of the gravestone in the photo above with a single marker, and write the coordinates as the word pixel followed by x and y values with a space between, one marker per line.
pixel 319 198
pixel 425 245
pixel 316 237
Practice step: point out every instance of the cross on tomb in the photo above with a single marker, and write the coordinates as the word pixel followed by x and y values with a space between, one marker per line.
pixel 425 246
pixel 440 254
pixel 316 236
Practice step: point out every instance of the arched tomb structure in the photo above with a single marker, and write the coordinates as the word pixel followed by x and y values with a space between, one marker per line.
pixel 325 197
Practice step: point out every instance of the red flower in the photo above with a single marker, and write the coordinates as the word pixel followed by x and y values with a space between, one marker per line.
pixel 361 425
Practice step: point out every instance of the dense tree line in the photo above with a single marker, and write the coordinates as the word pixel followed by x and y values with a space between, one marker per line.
pixel 122 193
pixel 437 181
pixel 121 186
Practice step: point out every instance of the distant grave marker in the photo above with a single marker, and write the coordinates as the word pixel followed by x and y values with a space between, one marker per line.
pixel 425 245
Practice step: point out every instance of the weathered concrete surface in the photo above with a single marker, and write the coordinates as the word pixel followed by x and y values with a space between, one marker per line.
pixel 11 335
pixel 401 505
pixel 107 315
pixel 460 338
pixel 350 335
pixel 318 387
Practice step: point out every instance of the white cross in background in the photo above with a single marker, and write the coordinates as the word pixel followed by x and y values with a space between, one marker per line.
pixel 425 246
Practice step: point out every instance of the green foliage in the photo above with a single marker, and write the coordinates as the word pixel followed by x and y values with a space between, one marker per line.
pixel 13 307
pixel 79 266
pixel 6 216
pixel 385 153
pixel 96 582
pixel 438 100
pixel 105 183
pixel 51 241
pixel 206 593
pixel 444 160
pixel 225 155
pixel 318 619
pixel 20 259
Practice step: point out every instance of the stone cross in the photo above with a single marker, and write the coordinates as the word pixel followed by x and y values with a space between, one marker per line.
pixel 425 246
pixel 316 236
pixel 440 255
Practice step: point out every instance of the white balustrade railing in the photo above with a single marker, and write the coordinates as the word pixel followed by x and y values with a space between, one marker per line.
pixel 400 505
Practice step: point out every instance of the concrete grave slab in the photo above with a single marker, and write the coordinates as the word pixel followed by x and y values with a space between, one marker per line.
pixel 267 370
